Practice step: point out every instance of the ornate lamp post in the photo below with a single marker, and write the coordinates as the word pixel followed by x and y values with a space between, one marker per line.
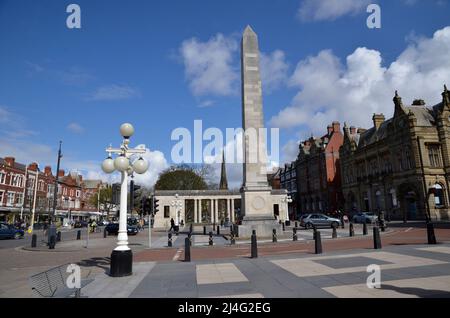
pixel 287 199
pixel 122 257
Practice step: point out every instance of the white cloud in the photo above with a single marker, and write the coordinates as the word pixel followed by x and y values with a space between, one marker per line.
pixel 206 103
pixel 320 10
pixel 114 92
pixel 75 128
pixel 157 164
pixel 213 67
pixel 274 70
pixel 290 151
pixel 209 65
pixel 352 92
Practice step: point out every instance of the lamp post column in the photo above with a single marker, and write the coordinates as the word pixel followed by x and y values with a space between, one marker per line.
pixel 122 239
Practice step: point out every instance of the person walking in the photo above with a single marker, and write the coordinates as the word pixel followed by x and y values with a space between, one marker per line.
pixel 94 226
pixel 172 224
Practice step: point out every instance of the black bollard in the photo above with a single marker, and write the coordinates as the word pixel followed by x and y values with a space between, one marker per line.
pixel 211 243
pixel 169 242
pixel 190 228
pixel 204 230
pixel 318 243
pixel 218 230
pixel 296 224
pixel 342 223
pixel 351 230
pixel 283 226
pixel 314 232
pixel 294 234
pixel 232 240
pixel 254 248
pixel 187 249
pixel 79 235
pixel 430 233
pixel 376 238
pixel 33 240
pixel 52 243
pixel 58 236
pixel 190 238
pixel 334 235
pixel 364 228
pixel 274 235
pixel 105 233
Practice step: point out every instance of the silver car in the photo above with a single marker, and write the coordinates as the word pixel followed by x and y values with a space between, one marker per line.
pixel 318 220
pixel 367 217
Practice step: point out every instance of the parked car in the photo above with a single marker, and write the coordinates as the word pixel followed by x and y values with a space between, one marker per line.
pixel 113 229
pixel 9 231
pixel 368 217
pixel 318 220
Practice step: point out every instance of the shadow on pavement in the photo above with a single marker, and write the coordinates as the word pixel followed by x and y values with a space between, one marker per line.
pixel 100 262
pixel 422 293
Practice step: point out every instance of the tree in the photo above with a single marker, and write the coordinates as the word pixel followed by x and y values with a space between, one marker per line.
pixel 105 199
pixel 180 178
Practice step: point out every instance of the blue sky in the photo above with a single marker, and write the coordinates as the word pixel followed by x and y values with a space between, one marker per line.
pixel 162 64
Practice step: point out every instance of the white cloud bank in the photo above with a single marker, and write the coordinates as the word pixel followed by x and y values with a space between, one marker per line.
pixel 321 10
pixel 213 67
pixel 330 90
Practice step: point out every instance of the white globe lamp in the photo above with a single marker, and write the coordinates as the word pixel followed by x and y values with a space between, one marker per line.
pixel 140 166
pixel 121 163
pixel 126 130
pixel 108 165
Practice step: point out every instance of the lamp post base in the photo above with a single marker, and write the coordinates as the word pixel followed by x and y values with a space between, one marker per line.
pixel 121 263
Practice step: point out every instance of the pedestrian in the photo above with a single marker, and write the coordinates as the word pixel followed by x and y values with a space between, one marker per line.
pixel 94 226
pixel 172 224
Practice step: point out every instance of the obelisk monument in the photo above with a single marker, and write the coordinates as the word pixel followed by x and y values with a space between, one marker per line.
pixel 257 201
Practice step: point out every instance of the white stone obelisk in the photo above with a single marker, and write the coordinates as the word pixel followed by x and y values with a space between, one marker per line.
pixel 257 202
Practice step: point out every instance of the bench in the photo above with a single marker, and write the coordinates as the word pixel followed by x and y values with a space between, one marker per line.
pixel 52 283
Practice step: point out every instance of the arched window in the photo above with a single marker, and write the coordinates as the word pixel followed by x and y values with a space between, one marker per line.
pixel 439 196
pixel 393 197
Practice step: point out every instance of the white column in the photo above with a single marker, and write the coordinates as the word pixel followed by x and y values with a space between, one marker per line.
pixel 216 210
pixel 228 209
pixel 199 211
pixel 195 211
pixel 232 210
pixel 122 238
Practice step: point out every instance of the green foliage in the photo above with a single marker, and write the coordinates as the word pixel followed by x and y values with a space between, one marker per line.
pixel 180 178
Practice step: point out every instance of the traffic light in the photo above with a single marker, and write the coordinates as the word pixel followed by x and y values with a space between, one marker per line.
pixel 147 205
pixel 134 196
pixel 155 206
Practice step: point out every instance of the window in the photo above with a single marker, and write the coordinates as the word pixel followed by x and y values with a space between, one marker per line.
pixel 2 177
pixel 166 211
pixel 434 155
pixel 10 198
pixel 393 196
pixel 19 198
pixel 438 196
pixel 1 198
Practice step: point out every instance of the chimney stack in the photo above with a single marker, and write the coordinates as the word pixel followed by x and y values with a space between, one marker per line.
pixel 61 173
pixel 378 119
pixel 336 126
pixel 33 166
pixel 48 170
pixel 10 161
pixel 352 130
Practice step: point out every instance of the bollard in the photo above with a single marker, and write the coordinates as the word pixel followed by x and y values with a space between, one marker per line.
pixel 33 240
pixel 334 235
pixel 204 230
pixel 318 243
pixel 274 236
pixel 342 223
pixel 314 232
pixel 187 249
pixel 58 236
pixel 376 238
pixel 364 228
pixel 105 233
pixel 232 240
pixel 296 224
pixel 218 230
pixel 294 234
pixel 79 235
pixel 52 242
pixel 283 226
pixel 169 242
pixel 190 238
pixel 351 230
pixel 211 243
pixel 254 247
pixel 190 228
pixel 430 233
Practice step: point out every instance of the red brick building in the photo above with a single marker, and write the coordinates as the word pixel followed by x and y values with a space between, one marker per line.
pixel 318 172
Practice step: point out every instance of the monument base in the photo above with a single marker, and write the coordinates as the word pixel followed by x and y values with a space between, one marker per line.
pixel 263 226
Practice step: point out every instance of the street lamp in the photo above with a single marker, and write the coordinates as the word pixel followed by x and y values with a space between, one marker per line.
pixel 287 199
pixel 122 257
pixel 178 205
